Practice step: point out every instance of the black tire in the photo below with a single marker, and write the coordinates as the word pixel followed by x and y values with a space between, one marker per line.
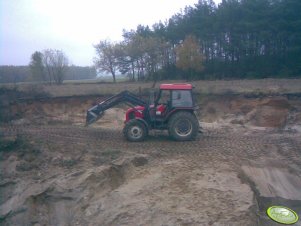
pixel 183 126
pixel 135 130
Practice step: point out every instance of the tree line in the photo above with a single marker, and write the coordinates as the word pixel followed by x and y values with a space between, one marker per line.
pixel 236 39
pixel 15 74
pixel 49 66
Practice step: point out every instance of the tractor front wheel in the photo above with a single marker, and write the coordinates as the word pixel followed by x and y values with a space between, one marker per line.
pixel 183 126
pixel 135 130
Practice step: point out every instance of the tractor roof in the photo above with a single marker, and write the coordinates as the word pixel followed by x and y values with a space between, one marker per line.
pixel 176 86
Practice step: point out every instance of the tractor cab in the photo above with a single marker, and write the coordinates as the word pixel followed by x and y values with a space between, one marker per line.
pixel 172 97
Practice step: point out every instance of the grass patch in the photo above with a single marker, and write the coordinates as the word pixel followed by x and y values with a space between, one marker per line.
pixel 111 154
pixel 68 162
pixel 106 156
pixel 13 143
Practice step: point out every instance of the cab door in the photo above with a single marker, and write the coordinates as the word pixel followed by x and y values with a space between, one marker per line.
pixel 163 104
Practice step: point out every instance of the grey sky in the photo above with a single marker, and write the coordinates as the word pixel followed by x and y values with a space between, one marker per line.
pixel 73 25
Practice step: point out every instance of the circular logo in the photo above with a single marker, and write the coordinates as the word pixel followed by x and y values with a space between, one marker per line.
pixel 282 214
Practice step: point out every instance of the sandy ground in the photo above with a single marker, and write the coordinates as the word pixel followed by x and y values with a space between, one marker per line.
pixel 67 174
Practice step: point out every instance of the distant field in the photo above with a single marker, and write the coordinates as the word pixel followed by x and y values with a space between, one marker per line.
pixel 97 80
pixel 84 88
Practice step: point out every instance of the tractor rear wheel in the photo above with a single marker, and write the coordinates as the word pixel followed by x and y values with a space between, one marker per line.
pixel 135 130
pixel 183 126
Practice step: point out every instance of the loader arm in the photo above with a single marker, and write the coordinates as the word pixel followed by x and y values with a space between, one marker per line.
pixel 97 111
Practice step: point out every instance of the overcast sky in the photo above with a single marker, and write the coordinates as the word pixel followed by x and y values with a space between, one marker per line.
pixel 73 25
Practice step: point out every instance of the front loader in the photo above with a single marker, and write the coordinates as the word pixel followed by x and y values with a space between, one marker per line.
pixel 172 110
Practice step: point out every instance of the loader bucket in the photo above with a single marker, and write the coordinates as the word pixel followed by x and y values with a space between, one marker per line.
pixel 93 115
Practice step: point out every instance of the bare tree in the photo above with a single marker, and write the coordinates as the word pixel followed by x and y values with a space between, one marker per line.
pixel 107 57
pixel 47 64
pixel 56 64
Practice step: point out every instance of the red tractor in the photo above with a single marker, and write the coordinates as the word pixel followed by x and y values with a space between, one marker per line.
pixel 172 110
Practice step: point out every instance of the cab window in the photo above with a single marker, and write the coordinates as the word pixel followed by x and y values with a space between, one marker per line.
pixel 181 98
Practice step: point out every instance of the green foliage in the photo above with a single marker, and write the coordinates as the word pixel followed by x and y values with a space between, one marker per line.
pixel 37 67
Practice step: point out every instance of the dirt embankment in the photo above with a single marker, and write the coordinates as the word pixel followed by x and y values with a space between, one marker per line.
pixel 264 111
pixel 267 111
pixel 55 171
